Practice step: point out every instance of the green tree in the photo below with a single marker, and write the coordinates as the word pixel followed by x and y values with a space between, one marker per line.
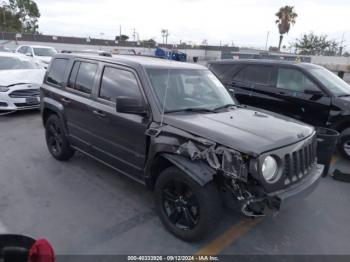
pixel 122 38
pixel 8 21
pixel 311 44
pixel 286 18
pixel 21 12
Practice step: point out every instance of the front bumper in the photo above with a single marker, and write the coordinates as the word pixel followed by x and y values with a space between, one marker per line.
pixel 273 202
pixel 8 103
pixel 301 189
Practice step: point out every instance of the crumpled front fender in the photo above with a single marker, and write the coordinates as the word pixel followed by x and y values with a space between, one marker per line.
pixel 199 171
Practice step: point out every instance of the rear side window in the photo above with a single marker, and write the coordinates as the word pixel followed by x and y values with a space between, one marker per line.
pixel 117 82
pixel 258 74
pixel 56 73
pixel 82 77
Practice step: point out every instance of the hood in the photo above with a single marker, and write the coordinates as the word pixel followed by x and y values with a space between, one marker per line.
pixel 248 131
pixel 25 76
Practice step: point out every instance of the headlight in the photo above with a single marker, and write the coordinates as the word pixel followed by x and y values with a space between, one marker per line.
pixel 4 89
pixel 269 169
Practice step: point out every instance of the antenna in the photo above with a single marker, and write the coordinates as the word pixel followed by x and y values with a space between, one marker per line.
pixel 165 97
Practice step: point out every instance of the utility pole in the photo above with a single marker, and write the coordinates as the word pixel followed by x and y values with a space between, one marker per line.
pixel 120 31
pixel 341 45
pixel 267 39
pixel 134 34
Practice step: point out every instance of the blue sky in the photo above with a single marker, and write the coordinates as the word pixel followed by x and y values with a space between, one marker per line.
pixel 243 22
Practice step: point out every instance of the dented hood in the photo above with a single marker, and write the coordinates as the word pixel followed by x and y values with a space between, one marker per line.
pixel 246 130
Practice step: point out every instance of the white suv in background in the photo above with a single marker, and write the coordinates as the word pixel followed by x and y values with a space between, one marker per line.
pixel 41 54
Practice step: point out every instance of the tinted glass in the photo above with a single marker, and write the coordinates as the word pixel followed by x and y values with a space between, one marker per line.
pixel 258 74
pixel 85 78
pixel 294 80
pixel 73 75
pixel 224 72
pixel 333 83
pixel 117 82
pixel 188 89
pixel 57 70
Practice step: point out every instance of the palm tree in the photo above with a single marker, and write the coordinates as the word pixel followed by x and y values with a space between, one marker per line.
pixel 286 18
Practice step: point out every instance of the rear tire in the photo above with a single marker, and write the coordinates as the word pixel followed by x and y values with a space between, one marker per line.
pixel 56 139
pixel 187 209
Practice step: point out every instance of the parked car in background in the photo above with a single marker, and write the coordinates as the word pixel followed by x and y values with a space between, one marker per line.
pixel 41 54
pixel 175 128
pixel 5 49
pixel 303 91
pixel 20 80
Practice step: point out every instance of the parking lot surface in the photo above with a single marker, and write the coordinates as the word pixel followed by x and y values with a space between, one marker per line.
pixel 83 207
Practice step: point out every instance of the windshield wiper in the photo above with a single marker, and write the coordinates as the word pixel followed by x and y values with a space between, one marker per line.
pixel 224 106
pixel 197 110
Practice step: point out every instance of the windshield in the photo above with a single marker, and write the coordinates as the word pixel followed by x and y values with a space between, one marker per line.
pixel 188 89
pixel 334 84
pixel 12 63
pixel 39 51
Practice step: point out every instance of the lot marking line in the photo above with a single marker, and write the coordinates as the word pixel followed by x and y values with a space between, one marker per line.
pixel 228 237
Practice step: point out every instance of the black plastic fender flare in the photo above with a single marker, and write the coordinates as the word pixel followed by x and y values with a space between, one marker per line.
pixel 198 170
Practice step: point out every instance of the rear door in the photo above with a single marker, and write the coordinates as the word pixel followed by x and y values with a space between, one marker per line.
pixel 254 85
pixel 77 103
pixel 119 138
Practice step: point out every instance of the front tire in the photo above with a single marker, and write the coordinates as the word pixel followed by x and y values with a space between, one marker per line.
pixel 56 139
pixel 187 209
pixel 344 146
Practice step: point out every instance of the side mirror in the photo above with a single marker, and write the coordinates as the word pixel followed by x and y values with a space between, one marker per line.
pixel 131 105
pixel 29 54
pixel 313 92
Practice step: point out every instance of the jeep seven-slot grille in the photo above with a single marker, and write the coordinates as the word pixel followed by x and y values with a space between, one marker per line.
pixel 25 93
pixel 298 163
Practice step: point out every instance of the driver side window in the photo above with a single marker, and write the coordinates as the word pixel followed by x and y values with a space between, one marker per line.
pixel 294 80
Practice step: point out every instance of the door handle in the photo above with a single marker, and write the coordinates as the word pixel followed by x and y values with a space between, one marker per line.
pixel 65 100
pixel 99 113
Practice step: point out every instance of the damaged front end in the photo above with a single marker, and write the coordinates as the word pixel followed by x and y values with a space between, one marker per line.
pixel 241 180
pixel 233 167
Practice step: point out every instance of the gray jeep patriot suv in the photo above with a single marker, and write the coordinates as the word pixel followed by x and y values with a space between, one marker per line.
pixel 174 127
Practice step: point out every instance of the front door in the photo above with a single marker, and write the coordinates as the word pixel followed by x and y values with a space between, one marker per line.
pixel 303 99
pixel 120 138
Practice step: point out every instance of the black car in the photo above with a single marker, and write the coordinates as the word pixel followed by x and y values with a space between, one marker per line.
pixel 303 91
pixel 174 127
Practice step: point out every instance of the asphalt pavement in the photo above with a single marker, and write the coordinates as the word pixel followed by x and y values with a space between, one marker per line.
pixel 83 207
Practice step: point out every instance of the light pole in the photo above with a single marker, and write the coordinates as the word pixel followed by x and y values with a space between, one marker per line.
pixel 267 39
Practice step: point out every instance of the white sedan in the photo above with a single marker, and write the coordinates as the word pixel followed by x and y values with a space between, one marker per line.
pixel 20 80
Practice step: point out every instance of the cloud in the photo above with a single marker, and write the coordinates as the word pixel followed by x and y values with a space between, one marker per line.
pixel 245 22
